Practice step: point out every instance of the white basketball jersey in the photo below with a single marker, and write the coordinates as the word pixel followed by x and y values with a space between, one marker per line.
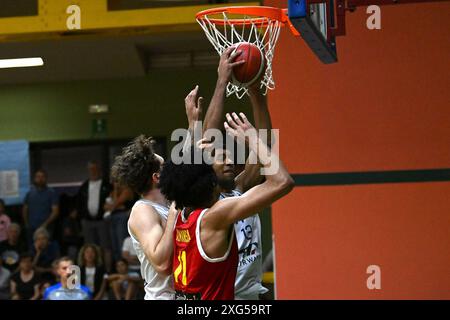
pixel 248 234
pixel 157 287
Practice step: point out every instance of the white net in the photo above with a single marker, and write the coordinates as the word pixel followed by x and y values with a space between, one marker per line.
pixel 261 31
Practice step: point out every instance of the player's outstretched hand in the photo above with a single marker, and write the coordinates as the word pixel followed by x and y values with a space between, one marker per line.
pixel 226 63
pixel 240 128
pixel 193 105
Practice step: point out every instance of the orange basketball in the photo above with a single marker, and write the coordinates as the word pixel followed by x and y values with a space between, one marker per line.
pixel 247 73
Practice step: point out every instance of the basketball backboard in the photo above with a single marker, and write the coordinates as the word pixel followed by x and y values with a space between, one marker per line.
pixel 314 21
pixel 319 22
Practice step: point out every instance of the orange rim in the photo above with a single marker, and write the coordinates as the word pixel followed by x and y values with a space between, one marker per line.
pixel 260 14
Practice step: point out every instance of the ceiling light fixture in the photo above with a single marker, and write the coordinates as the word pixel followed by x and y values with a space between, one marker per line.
pixel 21 63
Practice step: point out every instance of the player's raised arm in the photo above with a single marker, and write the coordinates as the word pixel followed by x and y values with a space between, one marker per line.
pixel 260 109
pixel 194 112
pixel 278 183
pixel 193 105
pixel 251 176
pixel 155 236
pixel 214 115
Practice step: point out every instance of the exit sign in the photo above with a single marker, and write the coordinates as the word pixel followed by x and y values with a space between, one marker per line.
pixel 99 127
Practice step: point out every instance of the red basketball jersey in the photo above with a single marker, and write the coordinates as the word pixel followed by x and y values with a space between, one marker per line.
pixel 196 276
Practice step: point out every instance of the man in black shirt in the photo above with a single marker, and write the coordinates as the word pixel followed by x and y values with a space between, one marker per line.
pixel 91 199
pixel 12 248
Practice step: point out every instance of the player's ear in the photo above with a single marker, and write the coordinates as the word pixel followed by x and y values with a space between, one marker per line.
pixel 155 178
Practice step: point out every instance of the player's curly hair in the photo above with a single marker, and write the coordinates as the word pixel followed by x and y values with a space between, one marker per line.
pixel 189 185
pixel 136 165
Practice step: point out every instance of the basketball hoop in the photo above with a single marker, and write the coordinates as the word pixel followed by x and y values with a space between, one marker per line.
pixel 227 26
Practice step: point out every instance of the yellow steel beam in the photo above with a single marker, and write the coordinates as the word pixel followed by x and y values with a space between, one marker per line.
pixel 95 17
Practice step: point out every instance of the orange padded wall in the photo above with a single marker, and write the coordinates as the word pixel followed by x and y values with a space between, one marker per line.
pixel 384 106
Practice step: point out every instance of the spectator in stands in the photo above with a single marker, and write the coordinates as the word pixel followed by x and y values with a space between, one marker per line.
pixel 65 290
pixel 25 282
pixel 119 206
pixel 40 207
pixel 72 238
pixel 44 252
pixel 5 221
pixel 124 282
pixel 12 248
pixel 4 282
pixel 93 274
pixel 129 254
pixel 50 279
pixel 91 199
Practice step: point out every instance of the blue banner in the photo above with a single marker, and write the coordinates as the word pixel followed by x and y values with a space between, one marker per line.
pixel 14 171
